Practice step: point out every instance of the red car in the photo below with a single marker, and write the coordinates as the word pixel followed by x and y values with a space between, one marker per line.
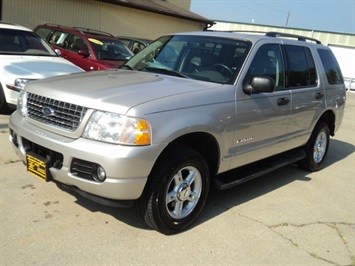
pixel 86 48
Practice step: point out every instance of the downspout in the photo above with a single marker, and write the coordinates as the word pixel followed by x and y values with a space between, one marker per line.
pixel 0 9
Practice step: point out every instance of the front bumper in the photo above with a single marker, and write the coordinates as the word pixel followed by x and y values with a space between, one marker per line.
pixel 127 167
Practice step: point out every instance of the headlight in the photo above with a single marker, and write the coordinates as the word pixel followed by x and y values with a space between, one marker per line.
pixel 18 84
pixel 21 82
pixel 118 129
pixel 22 103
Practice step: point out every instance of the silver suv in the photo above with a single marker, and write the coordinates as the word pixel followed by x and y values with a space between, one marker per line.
pixel 179 117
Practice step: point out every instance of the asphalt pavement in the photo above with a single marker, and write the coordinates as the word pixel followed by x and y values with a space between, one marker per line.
pixel 288 217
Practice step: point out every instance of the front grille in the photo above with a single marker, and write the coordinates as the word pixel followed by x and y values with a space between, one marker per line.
pixel 52 112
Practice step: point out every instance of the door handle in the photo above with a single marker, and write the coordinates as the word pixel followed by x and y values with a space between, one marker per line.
pixel 282 101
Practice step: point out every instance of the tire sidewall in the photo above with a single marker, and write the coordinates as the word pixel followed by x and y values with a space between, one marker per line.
pixel 3 104
pixel 312 164
pixel 191 158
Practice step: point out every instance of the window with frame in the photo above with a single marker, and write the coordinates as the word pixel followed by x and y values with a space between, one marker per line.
pixel 331 67
pixel 268 62
pixel 58 38
pixel 76 43
pixel 301 70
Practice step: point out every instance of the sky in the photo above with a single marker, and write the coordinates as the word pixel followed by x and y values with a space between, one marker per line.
pixel 324 15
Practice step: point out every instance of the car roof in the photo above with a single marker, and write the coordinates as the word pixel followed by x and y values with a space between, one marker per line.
pixel 253 36
pixel 78 30
pixel 12 26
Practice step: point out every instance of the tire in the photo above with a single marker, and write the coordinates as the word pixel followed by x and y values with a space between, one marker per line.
pixel 176 191
pixel 316 148
pixel 3 104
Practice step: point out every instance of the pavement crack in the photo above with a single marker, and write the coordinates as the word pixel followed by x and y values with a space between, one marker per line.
pixel 12 161
pixel 300 244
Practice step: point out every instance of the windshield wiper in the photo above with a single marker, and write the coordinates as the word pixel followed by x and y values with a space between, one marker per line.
pixel 167 71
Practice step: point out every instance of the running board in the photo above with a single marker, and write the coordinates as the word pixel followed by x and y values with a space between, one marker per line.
pixel 245 173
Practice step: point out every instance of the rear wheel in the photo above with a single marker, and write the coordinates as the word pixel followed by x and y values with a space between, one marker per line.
pixel 176 191
pixel 316 148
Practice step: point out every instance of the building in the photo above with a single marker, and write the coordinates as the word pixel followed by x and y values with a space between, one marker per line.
pixel 150 19
pixel 139 18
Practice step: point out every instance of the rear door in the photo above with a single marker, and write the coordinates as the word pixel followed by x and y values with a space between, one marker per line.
pixel 58 40
pixel 308 96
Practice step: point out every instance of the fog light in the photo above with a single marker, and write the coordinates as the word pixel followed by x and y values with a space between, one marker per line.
pixel 100 175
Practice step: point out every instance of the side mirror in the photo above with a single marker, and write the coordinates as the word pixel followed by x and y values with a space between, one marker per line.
pixel 58 52
pixel 259 84
pixel 84 53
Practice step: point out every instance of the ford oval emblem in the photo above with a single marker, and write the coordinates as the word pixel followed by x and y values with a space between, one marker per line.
pixel 47 111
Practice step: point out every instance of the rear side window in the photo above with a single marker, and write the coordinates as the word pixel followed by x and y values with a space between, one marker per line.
pixel 301 71
pixel 58 38
pixel 331 67
pixel 43 32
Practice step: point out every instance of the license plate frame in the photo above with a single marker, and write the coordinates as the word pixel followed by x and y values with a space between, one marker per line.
pixel 38 166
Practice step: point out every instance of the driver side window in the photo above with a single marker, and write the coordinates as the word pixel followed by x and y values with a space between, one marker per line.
pixel 268 62
pixel 76 43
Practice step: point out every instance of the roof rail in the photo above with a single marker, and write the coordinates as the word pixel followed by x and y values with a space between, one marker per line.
pixel 83 30
pixel 86 30
pixel 56 25
pixel 288 35
pixel 238 31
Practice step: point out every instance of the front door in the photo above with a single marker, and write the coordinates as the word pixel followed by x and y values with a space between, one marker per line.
pixel 262 118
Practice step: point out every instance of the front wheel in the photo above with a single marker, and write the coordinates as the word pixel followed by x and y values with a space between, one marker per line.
pixel 3 104
pixel 176 191
pixel 316 148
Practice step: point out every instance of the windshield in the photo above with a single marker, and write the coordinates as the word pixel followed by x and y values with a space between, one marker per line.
pixel 109 49
pixel 205 58
pixel 17 42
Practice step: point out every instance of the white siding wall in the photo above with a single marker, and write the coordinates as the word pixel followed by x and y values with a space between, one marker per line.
pixel 327 38
pixel 115 19
pixel 346 59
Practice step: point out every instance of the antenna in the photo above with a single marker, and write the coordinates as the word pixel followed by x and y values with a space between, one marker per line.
pixel 288 16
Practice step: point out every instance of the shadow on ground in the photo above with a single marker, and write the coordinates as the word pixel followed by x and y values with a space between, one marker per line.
pixel 233 196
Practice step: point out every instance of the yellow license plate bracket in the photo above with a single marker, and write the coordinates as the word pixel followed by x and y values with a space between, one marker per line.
pixel 38 166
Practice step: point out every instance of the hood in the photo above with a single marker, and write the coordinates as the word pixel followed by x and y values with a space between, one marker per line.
pixel 115 91
pixel 36 67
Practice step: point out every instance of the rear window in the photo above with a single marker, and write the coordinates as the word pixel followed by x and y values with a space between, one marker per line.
pixel 331 66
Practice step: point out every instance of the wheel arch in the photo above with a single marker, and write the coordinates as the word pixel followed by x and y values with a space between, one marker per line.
pixel 329 118
pixel 202 142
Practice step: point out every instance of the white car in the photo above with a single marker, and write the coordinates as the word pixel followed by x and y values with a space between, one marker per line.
pixel 25 57
pixel 349 84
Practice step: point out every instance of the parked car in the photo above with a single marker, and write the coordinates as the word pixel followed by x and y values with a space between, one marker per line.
pixel 190 111
pixel 87 48
pixel 134 44
pixel 349 83
pixel 25 57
